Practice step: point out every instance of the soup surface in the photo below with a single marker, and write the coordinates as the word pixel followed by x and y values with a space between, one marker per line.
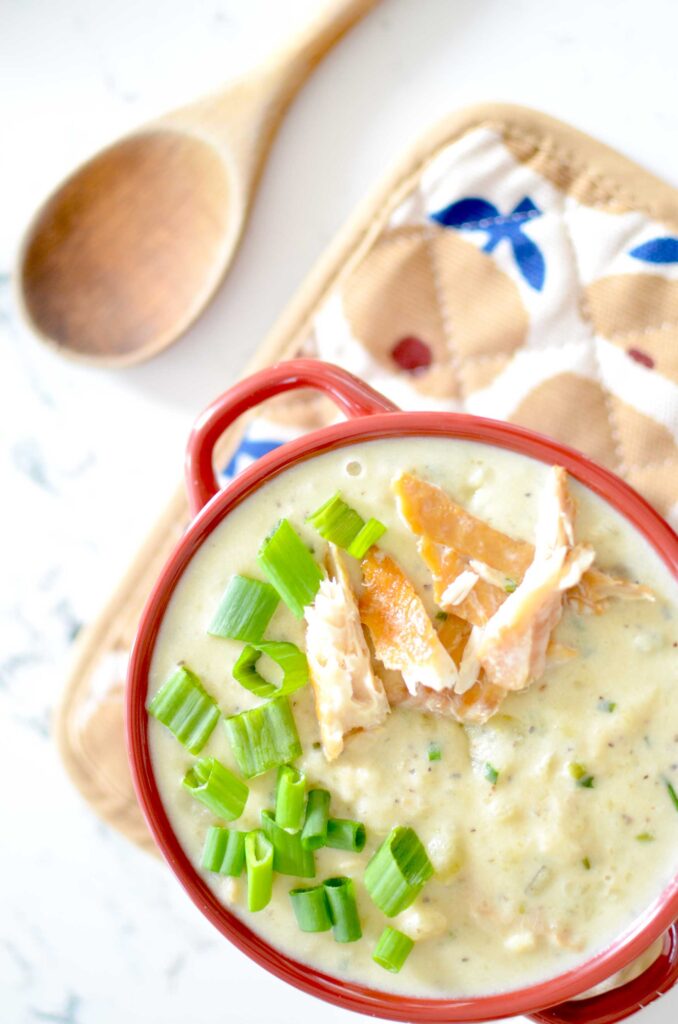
pixel 533 871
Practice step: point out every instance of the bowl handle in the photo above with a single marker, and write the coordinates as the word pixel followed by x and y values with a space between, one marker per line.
pixel 351 395
pixel 620 1003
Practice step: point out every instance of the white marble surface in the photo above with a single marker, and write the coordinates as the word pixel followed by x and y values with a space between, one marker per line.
pixel 91 930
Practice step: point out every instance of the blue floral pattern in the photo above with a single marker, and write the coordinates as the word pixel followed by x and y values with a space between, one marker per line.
pixel 658 250
pixel 476 214
pixel 248 451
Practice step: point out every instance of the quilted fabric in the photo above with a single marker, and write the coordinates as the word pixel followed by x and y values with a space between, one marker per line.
pixel 504 288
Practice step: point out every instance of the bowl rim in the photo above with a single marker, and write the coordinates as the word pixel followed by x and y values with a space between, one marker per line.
pixel 640 933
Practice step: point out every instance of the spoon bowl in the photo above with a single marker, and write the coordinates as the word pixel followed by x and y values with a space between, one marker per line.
pixel 127 252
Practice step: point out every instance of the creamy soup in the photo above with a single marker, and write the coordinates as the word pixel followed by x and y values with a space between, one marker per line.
pixel 533 869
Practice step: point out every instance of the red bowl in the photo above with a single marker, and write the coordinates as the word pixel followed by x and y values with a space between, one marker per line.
pixel 371 416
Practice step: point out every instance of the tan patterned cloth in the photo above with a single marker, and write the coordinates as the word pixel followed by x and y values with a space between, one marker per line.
pixel 510 267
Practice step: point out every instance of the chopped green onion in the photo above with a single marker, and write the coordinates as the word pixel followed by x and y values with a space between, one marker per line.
pixel 510 585
pixel 186 709
pixel 311 909
pixel 289 856
pixel 672 793
pixel 587 863
pixel 290 791
pixel 490 773
pixel 397 871
pixel 245 673
pixel 314 832
pixel 217 788
pixel 645 837
pixel 224 851
pixel 392 949
pixel 343 909
pixel 340 524
pixel 259 861
pixel 434 752
pixel 245 610
pixel 581 776
pixel 336 521
pixel 369 535
pixel 442 616
pixel 290 567
pixel 263 737
pixel 287 656
pixel 606 705
pixel 344 834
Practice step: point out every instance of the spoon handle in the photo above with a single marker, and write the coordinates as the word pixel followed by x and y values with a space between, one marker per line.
pixel 297 59
pixel 243 119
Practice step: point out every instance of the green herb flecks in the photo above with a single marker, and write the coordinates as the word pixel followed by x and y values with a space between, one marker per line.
pixel 581 776
pixel 672 793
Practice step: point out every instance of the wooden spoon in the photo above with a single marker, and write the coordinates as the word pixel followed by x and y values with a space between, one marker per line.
pixel 128 251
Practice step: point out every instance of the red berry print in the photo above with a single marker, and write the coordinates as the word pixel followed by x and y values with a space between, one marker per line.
pixel 412 354
pixel 641 357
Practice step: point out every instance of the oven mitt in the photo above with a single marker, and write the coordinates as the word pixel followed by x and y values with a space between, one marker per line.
pixel 509 267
